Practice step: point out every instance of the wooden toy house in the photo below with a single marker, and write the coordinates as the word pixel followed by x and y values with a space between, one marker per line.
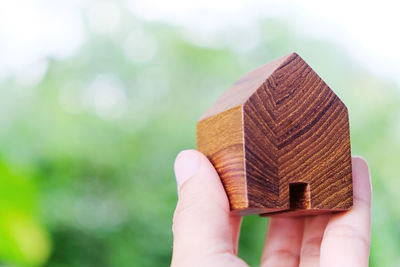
pixel 279 139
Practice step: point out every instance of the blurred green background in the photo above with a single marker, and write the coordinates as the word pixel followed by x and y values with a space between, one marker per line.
pixel 86 151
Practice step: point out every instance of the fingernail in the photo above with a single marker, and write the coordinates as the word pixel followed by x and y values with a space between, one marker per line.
pixel 187 164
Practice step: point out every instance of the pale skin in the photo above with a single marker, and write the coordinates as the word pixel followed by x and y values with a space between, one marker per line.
pixel 206 233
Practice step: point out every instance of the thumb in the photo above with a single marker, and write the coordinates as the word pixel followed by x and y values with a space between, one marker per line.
pixel 202 224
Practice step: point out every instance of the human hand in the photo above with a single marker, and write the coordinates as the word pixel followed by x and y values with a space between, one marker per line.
pixel 206 234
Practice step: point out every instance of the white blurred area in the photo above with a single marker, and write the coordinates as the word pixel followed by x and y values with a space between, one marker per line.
pixel 33 31
pixel 368 30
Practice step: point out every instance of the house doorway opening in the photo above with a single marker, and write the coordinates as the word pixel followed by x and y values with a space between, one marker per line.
pixel 300 196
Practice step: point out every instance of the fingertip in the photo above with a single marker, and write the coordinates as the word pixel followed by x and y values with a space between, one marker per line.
pixel 361 179
pixel 360 164
pixel 195 172
pixel 183 156
pixel 187 164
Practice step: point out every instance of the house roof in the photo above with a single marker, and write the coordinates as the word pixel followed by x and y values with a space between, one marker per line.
pixel 241 90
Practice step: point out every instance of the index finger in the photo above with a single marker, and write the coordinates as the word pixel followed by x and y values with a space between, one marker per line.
pixel 347 237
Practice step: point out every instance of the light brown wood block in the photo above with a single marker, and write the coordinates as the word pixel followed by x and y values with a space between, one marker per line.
pixel 279 139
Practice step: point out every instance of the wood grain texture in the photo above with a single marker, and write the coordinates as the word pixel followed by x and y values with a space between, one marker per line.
pixel 220 137
pixel 283 144
pixel 242 89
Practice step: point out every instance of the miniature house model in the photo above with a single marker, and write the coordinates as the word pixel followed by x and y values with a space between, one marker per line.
pixel 279 139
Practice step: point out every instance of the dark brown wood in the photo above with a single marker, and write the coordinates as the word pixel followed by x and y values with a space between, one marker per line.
pixel 279 139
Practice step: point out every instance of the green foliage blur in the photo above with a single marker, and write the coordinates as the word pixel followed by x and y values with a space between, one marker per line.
pixel 86 155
